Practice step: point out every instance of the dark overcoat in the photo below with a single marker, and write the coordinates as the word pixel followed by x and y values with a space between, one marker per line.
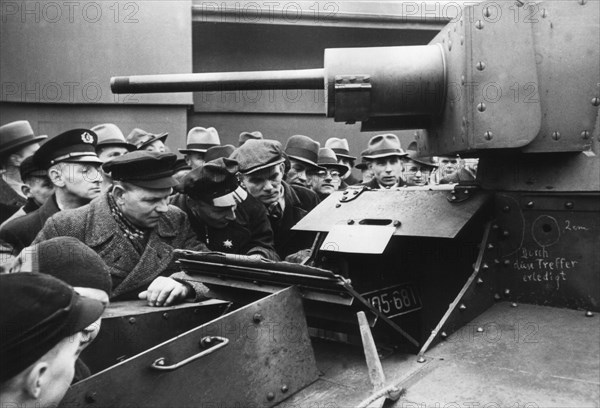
pixel 373 184
pixel 10 201
pixel 20 232
pixel 131 272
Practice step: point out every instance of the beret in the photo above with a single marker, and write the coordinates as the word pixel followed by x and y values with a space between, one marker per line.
pixel 144 169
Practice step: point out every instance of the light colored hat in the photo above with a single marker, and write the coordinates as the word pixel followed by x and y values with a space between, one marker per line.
pixel 384 146
pixel 328 159
pixel 110 135
pixel 245 136
pixel 140 138
pixel 340 147
pixel 15 135
pixel 200 139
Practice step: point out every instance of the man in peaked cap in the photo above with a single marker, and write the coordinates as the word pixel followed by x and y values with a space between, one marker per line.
pixel 41 336
pixel 17 142
pixel 72 166
pixel 151 142
pixel 245 136
pixel 135 230
pixel 417 170
pixel 261 163
pixel 384 159
pixel 342 151
pixel 111 142
pixel 223 215
pixel 199 140
pixel 325 182
pixel 303 153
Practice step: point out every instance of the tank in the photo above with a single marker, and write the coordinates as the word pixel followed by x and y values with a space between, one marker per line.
pixel 483 295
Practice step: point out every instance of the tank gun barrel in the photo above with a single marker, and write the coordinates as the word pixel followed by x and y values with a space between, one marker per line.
pixel 220 81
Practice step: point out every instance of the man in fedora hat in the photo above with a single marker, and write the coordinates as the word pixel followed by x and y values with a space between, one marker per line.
pixel 17 142
pixel 303 153
pixel 151 142
pixel 325 182
pixel 199 140
pixel 245 136
pixel 342 151
pixel 111 142
pixel 365 170
pixel 417 170
pixel 43 323
pixel 71 163
pixel 384 159
pixel 261 164
pixel 222 214
pixel 135 230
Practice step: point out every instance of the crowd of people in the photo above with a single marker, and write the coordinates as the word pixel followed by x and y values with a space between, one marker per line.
pixel 117 207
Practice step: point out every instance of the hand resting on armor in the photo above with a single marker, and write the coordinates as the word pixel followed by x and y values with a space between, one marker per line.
pixel 164 292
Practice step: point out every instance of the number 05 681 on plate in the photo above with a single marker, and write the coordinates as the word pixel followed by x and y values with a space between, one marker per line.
pixel 395 300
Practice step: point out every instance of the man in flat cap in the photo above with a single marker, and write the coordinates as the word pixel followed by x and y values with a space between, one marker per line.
pixel 303 153
pixel 42 334
pixel 135 230
pixel 325 182
pixel 151 142
pixel 384 157
pixel 222 214
pixel 71 163
pixel 245 136
pixel 17 142
pixel 199 140
pixel 342 151
pixel 37 188
pixel 261 163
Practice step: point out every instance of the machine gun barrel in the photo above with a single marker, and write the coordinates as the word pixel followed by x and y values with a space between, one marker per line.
pixel 220 81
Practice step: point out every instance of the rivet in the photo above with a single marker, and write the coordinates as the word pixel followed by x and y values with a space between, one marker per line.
pixel 555 135
pixel 466 192
pixel 506 209
pixel 485 266
pixel 488 135
pixel 338 205
pixel 582 2
pixel 588 314
pixel 596 101
pixel 490 246
pixel 350 222
pixel 496 261
pixel 352 79
pixel 569 205
pixel 453 198
pixel 355 192
pixel 257 318
pixel 421 359
pixel 131 320
pixel 462 79
pixel 506 292
pixel 443 334
pixel 487 12
pixel 479 25
pixel 480 330
pixel 346 192
pixel 462 307
pixel 585 134
pixel 519 3
pixel 165 315
pixel 90 397
pixel 497 296
pixel 270 396
pixel 284 388
pixel 449 45
pixel 462 41
pixel 505 234
pixel 480 66
pixel 530 204
pixel 544 13
pixel 495 226
pixel 367 78
pixel 513 304
pixel 506 262
pixel 397 223
pixel 453 192
pixel 481 107
pixel 479 281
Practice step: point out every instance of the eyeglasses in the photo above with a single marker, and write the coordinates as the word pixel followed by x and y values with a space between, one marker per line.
pixel 334 174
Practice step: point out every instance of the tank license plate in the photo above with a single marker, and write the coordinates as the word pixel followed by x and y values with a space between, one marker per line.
pixel 395 300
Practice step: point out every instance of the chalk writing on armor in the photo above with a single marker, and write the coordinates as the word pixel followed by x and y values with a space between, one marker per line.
pixel 540 265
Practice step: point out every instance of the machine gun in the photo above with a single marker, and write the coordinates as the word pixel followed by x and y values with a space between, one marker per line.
pixel 517 85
